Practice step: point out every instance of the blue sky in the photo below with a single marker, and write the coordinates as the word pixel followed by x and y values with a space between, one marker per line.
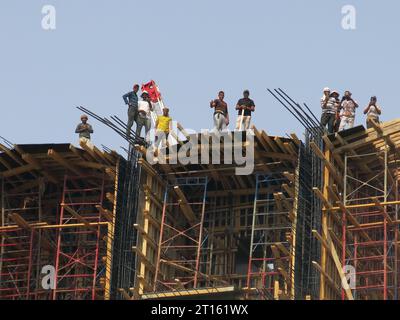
pixel 192 49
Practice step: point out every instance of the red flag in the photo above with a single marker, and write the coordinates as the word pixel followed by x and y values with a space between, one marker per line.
pixel 153 91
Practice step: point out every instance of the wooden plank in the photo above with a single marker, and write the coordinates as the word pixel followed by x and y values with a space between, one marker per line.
pixel 38 166
pixel 17 171
pixel 185 207
pixel 64 163
pixel 79 217
pixel 326 241
pixel 105 213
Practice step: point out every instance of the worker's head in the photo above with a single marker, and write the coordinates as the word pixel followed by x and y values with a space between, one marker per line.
pixel 145 95
pixel 246 93
pixel 84 118
pixel 136 88
pixel 221 95
pixel 165 112
pixel 374 99
pixel 347 93
pixel 335 94
pixel 327 91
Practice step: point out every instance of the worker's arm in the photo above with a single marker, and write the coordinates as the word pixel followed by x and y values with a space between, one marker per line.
pixel 324 101
pixel 378 109
pixel 213 104
pixel 79 129
pixel 90 128
pixel 157 123
pixel 125 97
pixel 227 115
pixel 366 109
pixel 253 106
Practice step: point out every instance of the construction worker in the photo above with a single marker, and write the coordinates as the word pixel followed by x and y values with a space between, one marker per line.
pixel 144 114
pixel 347 111
pixel 329 105
pixel 131 99
pixel 373 111
pixel 84 129
pixel 163 126
pixel 221 116
pixel 245 107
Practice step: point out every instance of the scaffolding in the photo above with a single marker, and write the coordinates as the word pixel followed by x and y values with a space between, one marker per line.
pixel 178 263
pixel 40 238
pixel 270 259
pixel 78 263
pixel 368 226
pixel 21 252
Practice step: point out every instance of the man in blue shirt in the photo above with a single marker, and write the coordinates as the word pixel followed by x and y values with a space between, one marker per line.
pixel 131 99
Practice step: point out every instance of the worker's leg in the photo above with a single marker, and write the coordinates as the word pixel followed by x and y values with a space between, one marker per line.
pixel 343 122
pixel 351 122
pixel 223 123
pixel 147 127
pixel 158 138
pixel 86 142
pixel 324 120
pixel 331 122
pixel 247 120
pixel 337 124
pixel 139 125
pixel 131 118
pixel 238 121
pixel 216 121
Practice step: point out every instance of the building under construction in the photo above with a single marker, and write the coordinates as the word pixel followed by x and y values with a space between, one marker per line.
pixel 317 219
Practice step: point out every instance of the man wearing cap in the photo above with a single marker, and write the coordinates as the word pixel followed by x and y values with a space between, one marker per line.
pixel 347 111
pixel 131 99
pixel 245 107
pixel 144 114
pixel 221 116
pixel 84 130
pixel 329 105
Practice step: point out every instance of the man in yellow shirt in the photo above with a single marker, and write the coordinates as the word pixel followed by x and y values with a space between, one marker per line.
pixel 163 125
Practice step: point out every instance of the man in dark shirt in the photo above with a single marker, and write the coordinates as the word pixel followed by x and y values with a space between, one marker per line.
pixel 131 99
pixel 84 129
pixel 221 116
pixel 245 107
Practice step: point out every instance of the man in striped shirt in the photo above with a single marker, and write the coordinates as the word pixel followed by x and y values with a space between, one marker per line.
pixel 329 105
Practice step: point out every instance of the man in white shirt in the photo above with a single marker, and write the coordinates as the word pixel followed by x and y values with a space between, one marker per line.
pixel 144 115
pixel 347 111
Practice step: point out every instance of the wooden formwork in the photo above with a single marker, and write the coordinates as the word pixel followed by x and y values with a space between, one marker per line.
pixel 57 205
pixel 223 259
pixel 360 215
